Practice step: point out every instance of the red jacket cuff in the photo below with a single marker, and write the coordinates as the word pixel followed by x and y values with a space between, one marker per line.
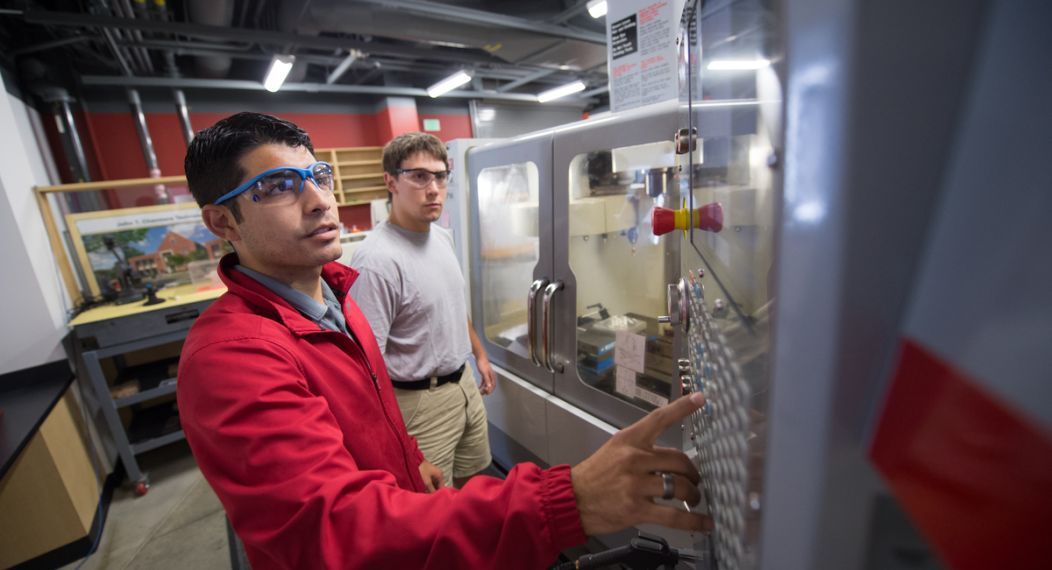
pixel 560 508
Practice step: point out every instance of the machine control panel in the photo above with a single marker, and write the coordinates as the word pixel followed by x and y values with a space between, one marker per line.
pixel 718 434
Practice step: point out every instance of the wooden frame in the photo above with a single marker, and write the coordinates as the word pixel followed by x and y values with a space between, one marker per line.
pixel 142 233
pixel 54 236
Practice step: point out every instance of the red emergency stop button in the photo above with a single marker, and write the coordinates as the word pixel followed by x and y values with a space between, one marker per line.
pixel 708 218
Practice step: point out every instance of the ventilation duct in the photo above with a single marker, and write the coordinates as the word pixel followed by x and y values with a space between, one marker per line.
pixel 212 13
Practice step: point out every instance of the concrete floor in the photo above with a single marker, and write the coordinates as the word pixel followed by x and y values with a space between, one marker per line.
pixel 178 524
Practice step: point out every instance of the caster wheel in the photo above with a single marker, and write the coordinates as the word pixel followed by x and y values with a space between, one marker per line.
pixel 141 488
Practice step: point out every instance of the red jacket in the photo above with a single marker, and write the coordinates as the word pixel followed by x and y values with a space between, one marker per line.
pixel 300 436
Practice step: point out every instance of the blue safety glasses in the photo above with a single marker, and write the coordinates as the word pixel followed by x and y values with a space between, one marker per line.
pixel 283 185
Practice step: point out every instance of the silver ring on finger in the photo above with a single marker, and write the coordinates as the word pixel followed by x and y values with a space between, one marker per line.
pixel 668 483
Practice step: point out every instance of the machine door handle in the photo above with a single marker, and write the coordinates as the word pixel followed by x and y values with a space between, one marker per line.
pixel 531 321
pixel 546 324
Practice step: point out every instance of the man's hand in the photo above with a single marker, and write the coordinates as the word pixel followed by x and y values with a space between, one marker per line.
pixel 615 487
pixel 489 380
pixel 432 476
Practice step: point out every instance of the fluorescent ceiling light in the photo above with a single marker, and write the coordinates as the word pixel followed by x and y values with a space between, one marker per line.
pixel 737 64
pixel 448 84
pixel 279 70
pixel 487 113
pixel 560 91
pixel 597 8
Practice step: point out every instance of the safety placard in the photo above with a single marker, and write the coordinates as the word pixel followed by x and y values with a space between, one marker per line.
pixel 642 52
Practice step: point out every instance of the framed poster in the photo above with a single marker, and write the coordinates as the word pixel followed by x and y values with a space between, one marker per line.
pixel 157 244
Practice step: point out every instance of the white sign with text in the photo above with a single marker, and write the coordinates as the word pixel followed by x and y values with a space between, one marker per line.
pixel 641 51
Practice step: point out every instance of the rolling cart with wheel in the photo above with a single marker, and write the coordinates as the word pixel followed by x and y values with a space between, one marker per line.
pixel 111 332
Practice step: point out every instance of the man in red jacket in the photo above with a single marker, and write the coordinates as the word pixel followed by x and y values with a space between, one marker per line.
pixel 289 411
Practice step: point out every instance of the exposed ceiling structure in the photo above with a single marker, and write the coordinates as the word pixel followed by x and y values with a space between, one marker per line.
pixel 512 49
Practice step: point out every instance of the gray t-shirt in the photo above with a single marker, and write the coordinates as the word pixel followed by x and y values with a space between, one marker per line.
pixel 412 292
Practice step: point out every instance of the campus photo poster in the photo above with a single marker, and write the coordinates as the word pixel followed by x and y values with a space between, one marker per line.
pixel 161 245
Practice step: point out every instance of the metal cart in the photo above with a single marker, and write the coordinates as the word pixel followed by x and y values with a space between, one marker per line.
pixel 114 331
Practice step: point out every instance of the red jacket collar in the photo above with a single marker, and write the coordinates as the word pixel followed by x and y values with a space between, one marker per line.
pixel 337 275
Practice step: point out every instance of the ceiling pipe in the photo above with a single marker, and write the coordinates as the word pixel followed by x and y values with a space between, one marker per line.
pixel 176 48
pixel 469 15
pixel 378 68
pixel 218 13
pixel 259 12
pixel 78 163
pixel 596 91
pixel 281 39
pixel 102 7
pixel 67 128
pixel 123 8
pixel 121 60
pixel 139 118
pixel 76 160
pixel 570 12
pixel 352 56
pixel 528 79
pixel 506 73
pixel 53 44
pixel 184 115
pixel 135 58
pixel 156 43
pixel 170 67
pixel 304 87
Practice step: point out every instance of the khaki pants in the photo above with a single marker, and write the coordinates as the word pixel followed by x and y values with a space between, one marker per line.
pixel 449 424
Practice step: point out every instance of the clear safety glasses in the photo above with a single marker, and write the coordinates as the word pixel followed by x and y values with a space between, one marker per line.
pixel 283 185
pixel 421 177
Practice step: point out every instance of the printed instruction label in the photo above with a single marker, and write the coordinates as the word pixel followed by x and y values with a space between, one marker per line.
pixel 650 397
pixel 642 58
pixel 625 382
pixel 630 350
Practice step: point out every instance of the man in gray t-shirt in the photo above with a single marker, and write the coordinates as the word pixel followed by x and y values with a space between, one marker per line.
pixel 412 292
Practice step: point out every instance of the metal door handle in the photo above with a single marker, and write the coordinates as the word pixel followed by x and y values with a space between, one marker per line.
pixel 546 322
pixel 531 323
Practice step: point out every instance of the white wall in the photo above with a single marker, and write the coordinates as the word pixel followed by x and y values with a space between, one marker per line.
pixel 33 301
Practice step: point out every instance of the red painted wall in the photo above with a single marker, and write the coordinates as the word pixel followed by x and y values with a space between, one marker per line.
pixel 113 148
pixel 395 120
pixel 95 171
pixel 453 126
pixel 326 130
pixel 356 218
pixel 121 154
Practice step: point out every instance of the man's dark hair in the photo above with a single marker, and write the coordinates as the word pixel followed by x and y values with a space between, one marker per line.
pixel 213 158
pixel 404 146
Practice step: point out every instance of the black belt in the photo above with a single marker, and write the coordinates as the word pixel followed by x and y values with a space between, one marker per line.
pixel 426 382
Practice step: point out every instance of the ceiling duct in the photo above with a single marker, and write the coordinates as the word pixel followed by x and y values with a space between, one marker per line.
pixel 212 13
pixel 290 14
pixel 502 37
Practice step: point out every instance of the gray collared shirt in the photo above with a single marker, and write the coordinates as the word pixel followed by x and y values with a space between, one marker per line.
pixel 328 315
